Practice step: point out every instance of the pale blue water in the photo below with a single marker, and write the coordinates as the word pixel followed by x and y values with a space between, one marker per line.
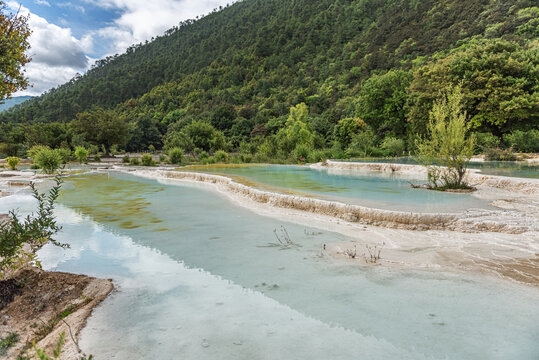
pixel 500 168
pixel 195 282
pixel 352 187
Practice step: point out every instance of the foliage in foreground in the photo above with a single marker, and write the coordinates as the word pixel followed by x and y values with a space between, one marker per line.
pixel 20 238
pixel 446 151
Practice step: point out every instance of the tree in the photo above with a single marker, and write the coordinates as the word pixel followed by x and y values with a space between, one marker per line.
pixel 345 130
pixel 101 127
pixel 382 101
pixel 498 79
pixel 14 33
pixel 446 151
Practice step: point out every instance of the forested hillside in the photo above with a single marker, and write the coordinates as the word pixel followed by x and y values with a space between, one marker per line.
pixel 361 76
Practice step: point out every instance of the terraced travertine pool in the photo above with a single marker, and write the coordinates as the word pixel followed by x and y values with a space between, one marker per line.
pixel 369 189
pixel 197 279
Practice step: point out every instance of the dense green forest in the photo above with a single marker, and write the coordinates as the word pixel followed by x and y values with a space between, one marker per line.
pixel 301 80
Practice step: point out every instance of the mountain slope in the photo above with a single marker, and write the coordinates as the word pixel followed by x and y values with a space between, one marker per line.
pixel 329 36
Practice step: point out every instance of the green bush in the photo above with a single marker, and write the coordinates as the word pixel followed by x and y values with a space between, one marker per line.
pixel 175 155
pixel 319 155
pixel 21 238
pixel 134 161
pixel 125 159
pixel 497 154
pixel 209 160
pixel 12 162
pixel 221 156
pixel 81 154
pixel 485 140
pixel 203 155
pixel 394 146
pixel 65 155
pixel 162 158
pixel 524 141
pixel 48 160
pixel 146 160
pixel 246 158
pixel 35 150
pixel 97 157
pixel 301 153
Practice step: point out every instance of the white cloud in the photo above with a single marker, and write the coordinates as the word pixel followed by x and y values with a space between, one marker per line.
pixel 42 2
pixel 56 54
pixel 141 19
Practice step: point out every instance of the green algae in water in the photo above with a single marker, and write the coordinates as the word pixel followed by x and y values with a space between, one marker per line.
pixel 112 199
pixel 354 187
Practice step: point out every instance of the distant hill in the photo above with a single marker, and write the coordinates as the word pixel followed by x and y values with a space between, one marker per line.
pixel 8 103
pixel 242 67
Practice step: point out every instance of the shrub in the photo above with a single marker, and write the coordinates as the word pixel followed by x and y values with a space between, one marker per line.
pixel 497 154
pixel 203 155
pixel 48 160
pixel 485 140
pixel 162 158
pixel 301 153
pixel 394 146
pixel 19 239
pixel 35 150
pixel 209 160
pixel 146 160
pixel 65 155
pixel 319 155
pixel 12 162
pixel 246 158
pixel 134 161
pixel 447 144
pixel 221 156
pixel 125 159
pixel 97 157
pixel 175 155
pixel 151 148
pixel 81 154
pixel 524 141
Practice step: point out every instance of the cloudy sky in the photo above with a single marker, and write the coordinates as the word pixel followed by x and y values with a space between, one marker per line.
pixel 68 36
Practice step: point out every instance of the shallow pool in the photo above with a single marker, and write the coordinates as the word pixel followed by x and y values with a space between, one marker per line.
pixel 500 168
pixel 382 191
pixel 196 278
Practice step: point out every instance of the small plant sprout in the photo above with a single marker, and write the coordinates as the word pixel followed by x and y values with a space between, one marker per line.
pixel 283 238
pixel 351 253
pixel 374 253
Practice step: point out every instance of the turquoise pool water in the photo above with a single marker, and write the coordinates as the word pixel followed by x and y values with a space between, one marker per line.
pixel 351 187
pixel 196 280
pixel 500 168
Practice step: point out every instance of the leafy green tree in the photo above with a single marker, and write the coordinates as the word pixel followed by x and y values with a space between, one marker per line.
pixel 144 134
pixel 446 151
pixel 345 129
pixel 498 79
pixel 14 33
pixel 296 131
pixel 101 127
pixel 382 101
